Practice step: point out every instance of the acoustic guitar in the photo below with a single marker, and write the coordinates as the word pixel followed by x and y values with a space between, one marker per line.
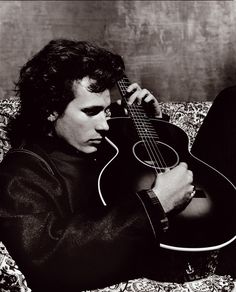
pixel 138 149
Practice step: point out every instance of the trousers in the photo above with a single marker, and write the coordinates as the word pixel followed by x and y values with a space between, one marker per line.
pixel 215 144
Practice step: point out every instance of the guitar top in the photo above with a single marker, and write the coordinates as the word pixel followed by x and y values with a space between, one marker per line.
pixel 138 149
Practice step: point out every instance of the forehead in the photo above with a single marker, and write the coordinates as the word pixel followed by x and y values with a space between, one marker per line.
pixel 85 98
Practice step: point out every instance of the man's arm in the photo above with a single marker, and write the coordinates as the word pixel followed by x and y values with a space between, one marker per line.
pixel 82 250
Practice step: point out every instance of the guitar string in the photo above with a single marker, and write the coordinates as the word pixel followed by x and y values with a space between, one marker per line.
pixel 150 137
pixel 132 111
pixel 124 92
pixel 147 138
pixel 140 121
pixel 153 152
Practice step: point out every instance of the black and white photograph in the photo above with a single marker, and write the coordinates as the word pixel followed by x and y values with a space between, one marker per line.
pixel 118 146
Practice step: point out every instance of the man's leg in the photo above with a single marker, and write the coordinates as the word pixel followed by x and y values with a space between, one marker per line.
pixel 216 140
pixel 215 144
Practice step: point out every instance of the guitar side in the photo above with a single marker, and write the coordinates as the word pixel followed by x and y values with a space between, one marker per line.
pixel 207 223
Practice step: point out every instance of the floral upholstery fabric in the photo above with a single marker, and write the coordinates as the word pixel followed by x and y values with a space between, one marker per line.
pixel 212 283
pixel 8 108
pixel 188 116
pixel 11 278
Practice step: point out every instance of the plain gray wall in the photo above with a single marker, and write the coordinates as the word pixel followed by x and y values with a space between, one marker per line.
pixel 181 50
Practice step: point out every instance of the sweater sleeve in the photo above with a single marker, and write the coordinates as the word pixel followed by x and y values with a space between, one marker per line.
pixel 82 250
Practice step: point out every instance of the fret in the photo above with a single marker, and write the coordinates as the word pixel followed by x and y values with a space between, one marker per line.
pixel 137 113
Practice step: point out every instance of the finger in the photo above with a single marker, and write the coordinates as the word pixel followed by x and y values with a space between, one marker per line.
pixel 133 86
pixel 149 98
pixel 190 176
pixel 146 96
pixel 152 101
pixel 183 164
pixel 142 95
pixel 158 111
pixel 135 96
pixel 191 190
pixel 139 95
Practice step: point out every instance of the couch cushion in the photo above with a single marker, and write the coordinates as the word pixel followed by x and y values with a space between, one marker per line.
pixel 187 115
pixel 8 108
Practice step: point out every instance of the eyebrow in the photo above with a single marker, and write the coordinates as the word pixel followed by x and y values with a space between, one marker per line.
pixel 93 107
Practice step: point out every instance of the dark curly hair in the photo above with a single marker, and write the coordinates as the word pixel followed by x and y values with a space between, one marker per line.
pixel 45 83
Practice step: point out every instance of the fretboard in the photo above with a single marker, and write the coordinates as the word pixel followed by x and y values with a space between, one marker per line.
pixel 142 123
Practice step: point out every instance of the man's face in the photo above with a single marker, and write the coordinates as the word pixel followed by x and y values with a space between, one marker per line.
pixel 83 122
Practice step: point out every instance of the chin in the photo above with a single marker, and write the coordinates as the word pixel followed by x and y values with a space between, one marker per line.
pixel 90 149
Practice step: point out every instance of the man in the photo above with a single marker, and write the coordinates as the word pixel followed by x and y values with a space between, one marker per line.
pixel 51 217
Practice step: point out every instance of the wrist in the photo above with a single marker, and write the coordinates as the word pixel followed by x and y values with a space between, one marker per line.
pixel 162 217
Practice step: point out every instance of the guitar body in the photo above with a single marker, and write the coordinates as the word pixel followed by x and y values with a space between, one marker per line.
pixel 209 220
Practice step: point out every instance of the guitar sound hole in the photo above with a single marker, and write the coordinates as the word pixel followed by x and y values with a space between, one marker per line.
pixel 156 154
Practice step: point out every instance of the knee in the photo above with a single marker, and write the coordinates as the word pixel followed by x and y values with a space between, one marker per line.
pixel 226 98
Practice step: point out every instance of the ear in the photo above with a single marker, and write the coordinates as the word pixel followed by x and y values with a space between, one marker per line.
pixel 52 117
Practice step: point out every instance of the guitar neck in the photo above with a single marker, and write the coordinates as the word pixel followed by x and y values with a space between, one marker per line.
pixel 136 112
pixel 134 109
pixel 123 84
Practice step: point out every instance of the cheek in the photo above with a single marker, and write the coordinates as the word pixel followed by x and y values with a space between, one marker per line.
pixel 81 125
pixel 67 126
pixel 78 128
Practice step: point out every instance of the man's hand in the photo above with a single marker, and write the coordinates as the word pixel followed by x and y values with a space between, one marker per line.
pixel 139 95
pixel 174 187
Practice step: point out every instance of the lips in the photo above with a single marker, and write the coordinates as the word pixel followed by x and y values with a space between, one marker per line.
pixel 96 141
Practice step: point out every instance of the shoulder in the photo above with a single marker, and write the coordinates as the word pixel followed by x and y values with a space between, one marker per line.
pixel 25 172
pixel 26 183
pixel 24 161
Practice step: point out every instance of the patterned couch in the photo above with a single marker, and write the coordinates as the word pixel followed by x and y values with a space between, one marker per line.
pixel 188 116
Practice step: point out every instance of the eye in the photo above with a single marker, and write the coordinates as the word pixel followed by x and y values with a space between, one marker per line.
pixel 92 111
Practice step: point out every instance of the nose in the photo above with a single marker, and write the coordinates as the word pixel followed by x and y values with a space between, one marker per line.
pixel 102 124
